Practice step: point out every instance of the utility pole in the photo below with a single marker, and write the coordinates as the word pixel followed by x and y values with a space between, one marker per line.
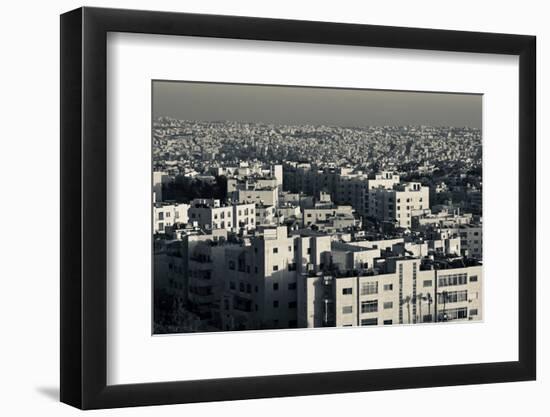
pixel 435 293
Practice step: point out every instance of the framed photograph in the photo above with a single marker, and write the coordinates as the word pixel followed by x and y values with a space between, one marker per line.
pixel 257 208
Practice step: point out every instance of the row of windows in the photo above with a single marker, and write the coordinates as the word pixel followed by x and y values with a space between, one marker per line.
pixel 290 267
pixel 370 306
pixel 276 250
pixel 232 265
pixel 367 288
pixel 453 314
pixel 452 297
pixel 451 280
pixel 374 322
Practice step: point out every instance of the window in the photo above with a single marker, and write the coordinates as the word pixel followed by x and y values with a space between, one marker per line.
pixel 369 288
pixel 292 304
pixel 275 250
pixel 275 286
pixel 370 306
pixel 451 280
pixel 292 286
pixel 388 305
pixel 347 309
pixel 241 286
pixel 452 297
pixel 290 248
pixel 473 278
pixel 232 285
pixel 453 314
pixel 347 291
pixel 248 288
pixel 161 215
pixel 427 283
pixel 309 251
pixel 275 267
pixel 369 322
pixel 473 312
pixel 232 265
pixel 386 322
pixel 388 287
pixel 275 304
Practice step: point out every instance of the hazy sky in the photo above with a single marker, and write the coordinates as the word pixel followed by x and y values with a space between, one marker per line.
pixel 307 105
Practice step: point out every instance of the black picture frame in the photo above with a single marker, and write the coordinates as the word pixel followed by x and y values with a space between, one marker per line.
pixel 84 207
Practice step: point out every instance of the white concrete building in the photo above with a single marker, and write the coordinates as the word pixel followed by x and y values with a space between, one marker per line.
pixel 212 214
pixel 267 196
pixel 266 215
pixel 405 293
pixel 166 215
pixel 397 205
pixel 322 213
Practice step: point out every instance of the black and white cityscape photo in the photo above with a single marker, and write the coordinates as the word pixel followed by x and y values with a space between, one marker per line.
pixel 278 207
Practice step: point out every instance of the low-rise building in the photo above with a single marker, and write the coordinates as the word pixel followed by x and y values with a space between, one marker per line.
pixel 267 196
pixel 212 214
pixel 166 215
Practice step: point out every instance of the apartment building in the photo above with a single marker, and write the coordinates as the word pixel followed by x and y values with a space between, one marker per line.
pixel 166 215
pixel 266 215
pixel 267 196
pixel 407 291
pixel 169 270
pixel 470 237
pixel 159 178
pixel 212 214
pixel 324 212
pixel 397 205
pixel 261 278
pixel 203 270
pixel 249 183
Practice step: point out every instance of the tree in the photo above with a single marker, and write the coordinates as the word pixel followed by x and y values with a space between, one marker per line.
pixel 430 301
pixel 445 296
pixel 420 297
pixel 407 300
